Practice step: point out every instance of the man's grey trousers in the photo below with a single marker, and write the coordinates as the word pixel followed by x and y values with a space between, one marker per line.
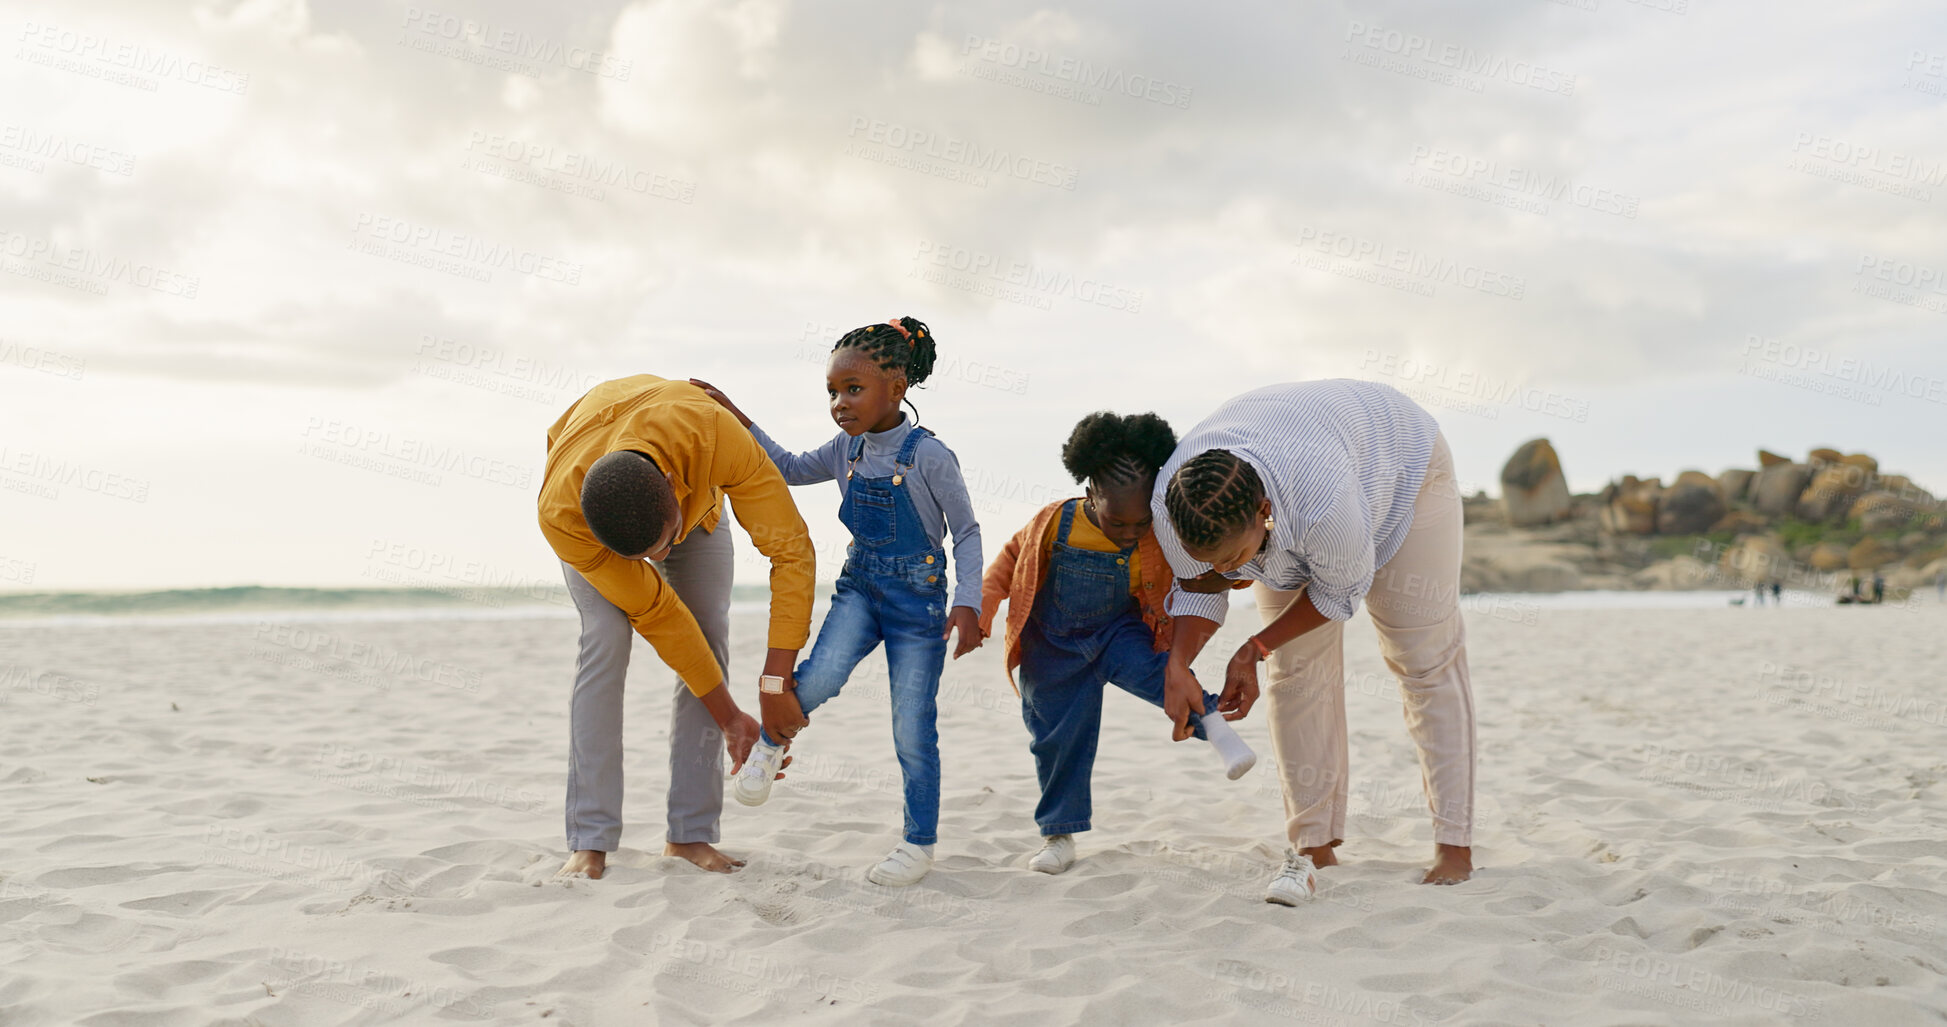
pixel 700 570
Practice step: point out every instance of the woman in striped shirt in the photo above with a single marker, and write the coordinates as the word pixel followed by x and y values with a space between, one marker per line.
pixel 1325 494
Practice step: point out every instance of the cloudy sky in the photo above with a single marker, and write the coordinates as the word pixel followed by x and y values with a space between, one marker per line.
pixel 292 292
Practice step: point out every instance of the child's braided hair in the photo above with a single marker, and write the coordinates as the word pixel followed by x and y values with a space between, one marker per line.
pixel 1115 450
pixel 903 345
pixel 1212 497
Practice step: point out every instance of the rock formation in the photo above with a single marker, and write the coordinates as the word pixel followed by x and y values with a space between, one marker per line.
pixel 1533 487
pixel 1775 492
pixel 1831 492
pixel 1736 484
pixel 1839 513
pixel 1880 511
pixel 1690 506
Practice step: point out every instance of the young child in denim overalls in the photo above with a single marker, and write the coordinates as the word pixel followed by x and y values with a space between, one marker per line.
pixel 1086 584
pixel 903 490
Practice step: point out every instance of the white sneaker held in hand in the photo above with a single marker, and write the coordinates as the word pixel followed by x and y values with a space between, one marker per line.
pixel 1237 754
pixel 1057 854
pixel 1295 882
pixel 753 783
pixel 904 865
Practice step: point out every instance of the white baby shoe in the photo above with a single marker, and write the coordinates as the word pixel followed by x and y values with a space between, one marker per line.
pixel 1231 748
pixel 753 784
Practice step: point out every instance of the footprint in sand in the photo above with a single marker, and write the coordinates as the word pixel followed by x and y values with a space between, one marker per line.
pixel 471 958
pixel 777 914
pixel 1518 905
pixel 1108 922
pixel 184 903
pixel 1628 927
pixel 95 877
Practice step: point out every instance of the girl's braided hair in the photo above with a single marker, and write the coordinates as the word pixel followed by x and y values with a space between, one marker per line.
pixel 903 345
pixel 1212 497
pixel 1115 450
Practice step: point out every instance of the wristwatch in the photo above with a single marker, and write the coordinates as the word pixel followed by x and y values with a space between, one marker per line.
pixel 771 684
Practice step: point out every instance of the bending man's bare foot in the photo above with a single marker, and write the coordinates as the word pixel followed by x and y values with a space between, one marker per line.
pixel 587 861
pixel 1321 855
pixel 1452 864
pixel 704 855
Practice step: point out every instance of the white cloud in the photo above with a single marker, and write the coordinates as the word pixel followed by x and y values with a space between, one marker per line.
pixel 723 175
pixel 701 71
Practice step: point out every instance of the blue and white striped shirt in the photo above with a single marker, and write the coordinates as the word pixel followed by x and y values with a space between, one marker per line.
pixel 1341 460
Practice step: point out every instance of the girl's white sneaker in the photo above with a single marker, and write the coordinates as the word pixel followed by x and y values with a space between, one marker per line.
pixel 753 783
pixel 1057 854
pixel 904 865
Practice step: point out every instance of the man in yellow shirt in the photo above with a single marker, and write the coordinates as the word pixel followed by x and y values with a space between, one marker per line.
pixel 631 501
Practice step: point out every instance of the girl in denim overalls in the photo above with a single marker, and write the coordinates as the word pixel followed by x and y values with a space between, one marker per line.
pixel 903 490
pixel 1086 584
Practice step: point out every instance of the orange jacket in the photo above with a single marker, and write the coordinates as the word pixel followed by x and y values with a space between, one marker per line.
pixel 1017 573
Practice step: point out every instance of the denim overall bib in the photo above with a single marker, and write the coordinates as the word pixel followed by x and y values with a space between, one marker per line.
pixel 1085 589
pixel 893 590
pixel 1085 631
pixel 888 539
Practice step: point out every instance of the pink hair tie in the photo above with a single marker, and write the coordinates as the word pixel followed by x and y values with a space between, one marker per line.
pixel 902 329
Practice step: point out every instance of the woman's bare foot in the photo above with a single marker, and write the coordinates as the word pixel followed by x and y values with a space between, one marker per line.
pixel 1452 864
pixel 1321 855
pixel 704 855
pixel 587 861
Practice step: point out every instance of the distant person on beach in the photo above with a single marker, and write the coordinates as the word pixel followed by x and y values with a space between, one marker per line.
pixel 1879 587
pixel 1759 589
pixel 1777 594
pixel 632 502
pixel 1086 585
pixel 1325 493
pixel 902 491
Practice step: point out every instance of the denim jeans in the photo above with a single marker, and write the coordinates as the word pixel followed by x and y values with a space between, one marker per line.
pixel 1062 677
pixel 890 600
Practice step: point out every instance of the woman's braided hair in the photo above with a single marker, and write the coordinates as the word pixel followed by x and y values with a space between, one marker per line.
pixel 1212 497
pixel 1116 450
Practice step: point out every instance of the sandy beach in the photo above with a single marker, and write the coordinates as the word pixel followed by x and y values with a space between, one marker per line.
pixel 338 341
pixel 1688 814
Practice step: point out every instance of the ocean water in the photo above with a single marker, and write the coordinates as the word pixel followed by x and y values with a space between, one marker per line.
pixel 251 604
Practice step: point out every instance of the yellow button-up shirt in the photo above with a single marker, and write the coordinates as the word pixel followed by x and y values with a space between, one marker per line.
pixel 708 455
